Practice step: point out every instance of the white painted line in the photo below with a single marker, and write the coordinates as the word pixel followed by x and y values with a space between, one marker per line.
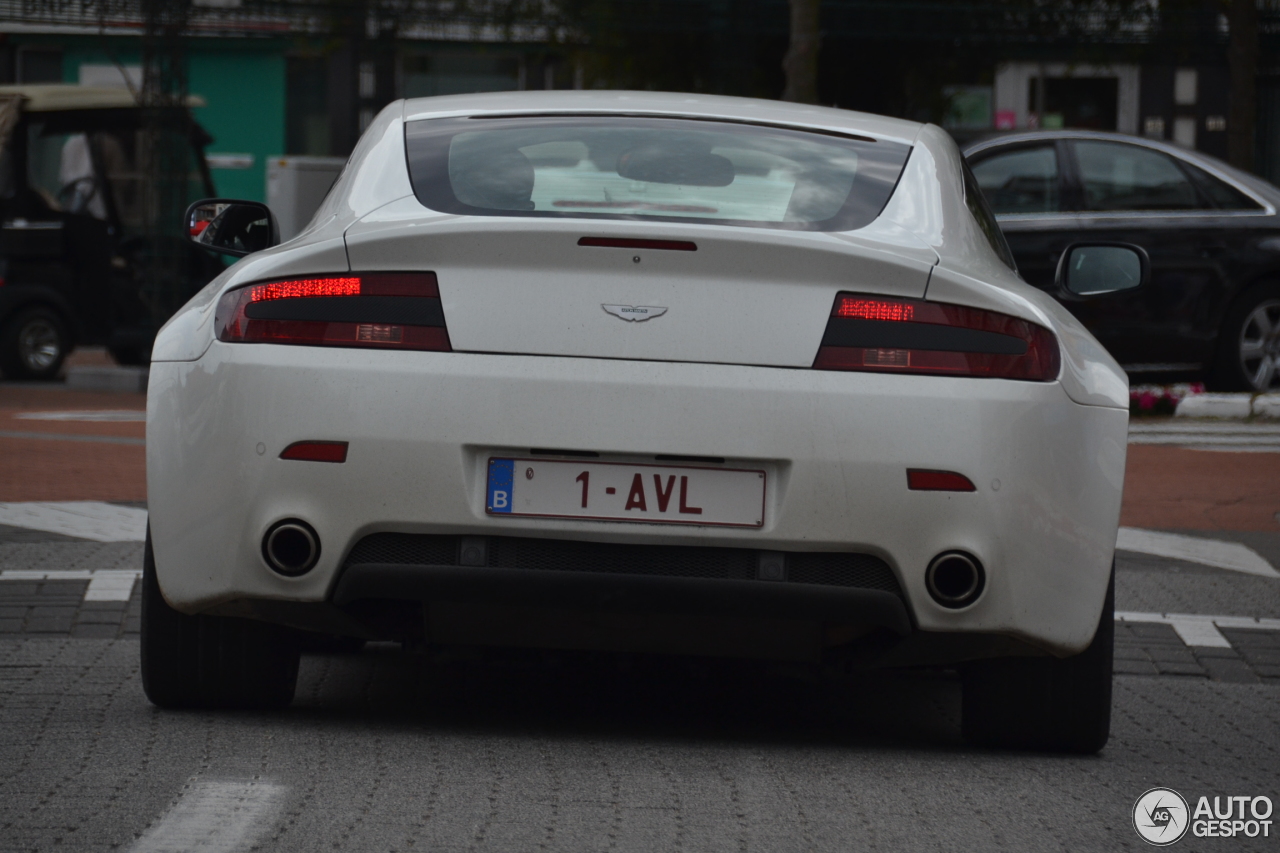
pixel 118 415
pixel 37 575
pixel 1198 630
pixel 214 817
pixel 1137 427
pixel 101 522
pixel 104 584
pixel 1208 552
pixel 1230 437
pixel 111 585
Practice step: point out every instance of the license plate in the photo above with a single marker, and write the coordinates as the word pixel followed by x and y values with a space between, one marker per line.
pixel 610 491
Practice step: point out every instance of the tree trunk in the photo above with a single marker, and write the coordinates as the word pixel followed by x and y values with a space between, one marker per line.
pixel 801 62
pixel 1242 57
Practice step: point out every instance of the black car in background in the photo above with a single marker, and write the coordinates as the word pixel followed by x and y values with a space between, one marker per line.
pixel 1211 310
pixel 76 194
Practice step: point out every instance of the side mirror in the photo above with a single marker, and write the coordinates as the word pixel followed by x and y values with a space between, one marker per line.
pixel 232 227
pixel 1096 269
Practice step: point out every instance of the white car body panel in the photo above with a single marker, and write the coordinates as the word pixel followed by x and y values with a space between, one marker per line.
pixel 525 286
pixel 422 425
pixel 538 362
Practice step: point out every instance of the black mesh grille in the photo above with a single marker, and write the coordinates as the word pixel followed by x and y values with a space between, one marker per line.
pixel 659 560
pixel 509 552
pixel 405 548
pixel 856 570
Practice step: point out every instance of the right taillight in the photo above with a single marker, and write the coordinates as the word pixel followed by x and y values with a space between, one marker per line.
pixel 886 335
pixel 377 310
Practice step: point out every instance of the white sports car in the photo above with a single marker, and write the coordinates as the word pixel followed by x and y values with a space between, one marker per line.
pixel 641 372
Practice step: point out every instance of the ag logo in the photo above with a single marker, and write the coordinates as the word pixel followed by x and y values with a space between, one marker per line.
pixel 635 313
pixel 1161 817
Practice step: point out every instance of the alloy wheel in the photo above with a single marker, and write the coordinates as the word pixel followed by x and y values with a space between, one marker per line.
pixel 1260 345
pixel 39 345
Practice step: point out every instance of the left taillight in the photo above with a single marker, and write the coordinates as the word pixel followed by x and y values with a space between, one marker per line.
pixel 884 335
pixel 377 310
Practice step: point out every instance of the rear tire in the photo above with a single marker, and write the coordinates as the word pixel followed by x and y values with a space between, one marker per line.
pixel 211 661
pixel 1053 704
pixel 1248 357
pixel 33 345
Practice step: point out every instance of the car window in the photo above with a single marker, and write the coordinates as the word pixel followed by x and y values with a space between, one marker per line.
pixel 625 167
pixel 1223 195
pixel 1024 180
pixel 977 203
pixel 1117 176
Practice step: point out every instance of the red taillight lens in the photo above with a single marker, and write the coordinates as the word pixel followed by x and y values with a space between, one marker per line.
pixel 873 309
pixel 923 480
pixel 316 451
pixel 913 336
pixel 380 310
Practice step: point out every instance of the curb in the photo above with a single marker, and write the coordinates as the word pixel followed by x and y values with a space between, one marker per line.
pixel 119 379
pixel 1229 406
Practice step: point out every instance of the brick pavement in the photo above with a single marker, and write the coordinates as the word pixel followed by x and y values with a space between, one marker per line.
pixel 1168 488
pixel 46 469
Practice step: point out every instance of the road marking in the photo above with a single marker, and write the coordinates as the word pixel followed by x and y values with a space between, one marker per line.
pixel 214 817
pixel 118 415
pixel 111 585
pixel 67 436
pixel 1208 552
pixel 1199 630
pixel 101 522
pixel 1235 437
pixel 104 584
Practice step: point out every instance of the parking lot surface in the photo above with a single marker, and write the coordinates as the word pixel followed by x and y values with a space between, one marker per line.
pixel 466 750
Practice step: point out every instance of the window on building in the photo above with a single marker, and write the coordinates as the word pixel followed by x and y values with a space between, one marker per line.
pixel 39 65
pixel 1084 102
pixel 1024 180
pixel 1116 176
pixel 307 106
pixel 424 75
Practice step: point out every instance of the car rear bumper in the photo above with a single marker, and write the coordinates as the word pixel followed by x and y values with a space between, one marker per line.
pixel 835 446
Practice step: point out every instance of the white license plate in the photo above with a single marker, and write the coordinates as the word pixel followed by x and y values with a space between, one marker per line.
pixel 610 491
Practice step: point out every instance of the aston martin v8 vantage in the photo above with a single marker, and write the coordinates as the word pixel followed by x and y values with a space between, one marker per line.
pixel 646 373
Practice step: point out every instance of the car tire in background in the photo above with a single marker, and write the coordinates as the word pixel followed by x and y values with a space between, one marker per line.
pixel 1248 357
pixel 33 344
pixel 212 661
pixel 1044 703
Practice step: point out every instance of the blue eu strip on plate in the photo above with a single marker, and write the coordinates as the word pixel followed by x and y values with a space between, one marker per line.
pixel 501 479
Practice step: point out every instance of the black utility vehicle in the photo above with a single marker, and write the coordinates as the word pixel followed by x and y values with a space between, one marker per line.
pixel 76 196
pixel 1212 308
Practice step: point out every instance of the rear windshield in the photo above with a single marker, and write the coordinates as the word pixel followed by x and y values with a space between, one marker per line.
pixel 674 170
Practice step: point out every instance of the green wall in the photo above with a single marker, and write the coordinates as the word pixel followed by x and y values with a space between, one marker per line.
pixel 245 91
pixel 243 83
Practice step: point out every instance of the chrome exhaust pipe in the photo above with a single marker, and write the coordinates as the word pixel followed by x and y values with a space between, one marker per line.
pixel 955 579
pixel 291 547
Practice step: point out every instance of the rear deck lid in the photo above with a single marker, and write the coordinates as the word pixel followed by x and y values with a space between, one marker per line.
pixel 643 237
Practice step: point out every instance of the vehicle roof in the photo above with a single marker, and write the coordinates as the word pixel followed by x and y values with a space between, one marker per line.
pixel 54 97
pixel 1211 164
pixel 753 110
pixel 1067 133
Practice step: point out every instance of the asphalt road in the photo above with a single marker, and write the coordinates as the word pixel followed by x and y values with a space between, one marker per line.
pixel 386 751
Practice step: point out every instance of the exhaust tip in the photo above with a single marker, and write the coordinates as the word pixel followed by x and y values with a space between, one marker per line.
pixel 291 547
pixel 955 579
